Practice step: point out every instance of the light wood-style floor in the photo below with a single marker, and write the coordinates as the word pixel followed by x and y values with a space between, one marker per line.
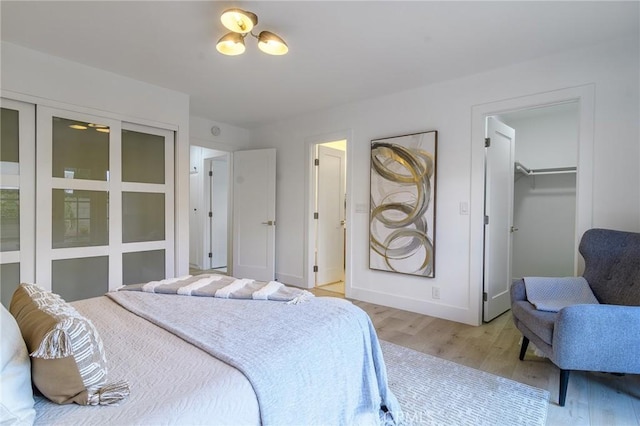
pixel 595 399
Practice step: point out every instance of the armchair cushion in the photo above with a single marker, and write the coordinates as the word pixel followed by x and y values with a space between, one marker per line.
pixel 541 323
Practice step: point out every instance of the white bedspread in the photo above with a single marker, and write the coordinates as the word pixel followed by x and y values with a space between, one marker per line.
pixel 172 381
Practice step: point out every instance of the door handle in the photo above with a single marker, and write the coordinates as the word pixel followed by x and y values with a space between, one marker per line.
pixel 269 223
pixel 513 229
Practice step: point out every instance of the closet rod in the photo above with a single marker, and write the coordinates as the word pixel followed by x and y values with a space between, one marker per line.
pixel 549 171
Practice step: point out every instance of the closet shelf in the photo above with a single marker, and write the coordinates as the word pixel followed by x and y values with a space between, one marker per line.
pixel 550 171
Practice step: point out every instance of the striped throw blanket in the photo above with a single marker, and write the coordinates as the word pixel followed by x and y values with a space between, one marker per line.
pixel 223 286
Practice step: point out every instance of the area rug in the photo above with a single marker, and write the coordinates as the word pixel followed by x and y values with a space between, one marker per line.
pixel 433 391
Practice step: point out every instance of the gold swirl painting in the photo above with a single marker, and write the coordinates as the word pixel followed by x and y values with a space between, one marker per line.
pixel 403 198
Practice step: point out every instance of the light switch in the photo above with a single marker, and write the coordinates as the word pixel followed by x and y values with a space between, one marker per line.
pixel 464 208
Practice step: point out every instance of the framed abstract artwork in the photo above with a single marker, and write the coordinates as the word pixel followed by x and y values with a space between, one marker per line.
pixel 403 204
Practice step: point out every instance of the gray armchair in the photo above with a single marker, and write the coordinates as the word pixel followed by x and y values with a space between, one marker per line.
pixel 601 337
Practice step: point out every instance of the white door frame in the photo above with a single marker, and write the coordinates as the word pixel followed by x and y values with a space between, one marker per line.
pixel 585 96
pixel 309 235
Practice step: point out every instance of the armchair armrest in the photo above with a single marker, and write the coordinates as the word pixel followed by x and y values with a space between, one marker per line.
pixel 598 338
pixel 517 291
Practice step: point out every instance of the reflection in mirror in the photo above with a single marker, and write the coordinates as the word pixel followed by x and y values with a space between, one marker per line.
pixel 75 279
pixel 9 142
pixel 80 218
pixel 10 278
pixel 143 217
pixel 143 266
pixel 9 219
pixel 142 157
pixel 80 150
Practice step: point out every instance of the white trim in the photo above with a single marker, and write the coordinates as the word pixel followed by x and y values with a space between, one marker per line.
pixel 77 253
pixel 10 257
pixel 9 181
pixel 144 187
pixel 81 184
pixel 144 246
pixel 585 96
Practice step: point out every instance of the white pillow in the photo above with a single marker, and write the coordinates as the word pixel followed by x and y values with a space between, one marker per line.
pixel 16 393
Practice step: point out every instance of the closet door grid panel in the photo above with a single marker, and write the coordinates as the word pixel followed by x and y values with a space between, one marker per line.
pixel 17 196
pixel 85 216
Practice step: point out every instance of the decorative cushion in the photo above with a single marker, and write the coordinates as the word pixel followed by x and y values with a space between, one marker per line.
pixel 67 356
pixel 16 394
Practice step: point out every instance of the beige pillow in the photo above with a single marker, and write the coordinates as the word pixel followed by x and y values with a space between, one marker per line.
pixel 68 363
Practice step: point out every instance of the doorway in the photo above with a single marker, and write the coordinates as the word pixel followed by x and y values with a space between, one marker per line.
pixel 544 207
pixel 209 213
pixel 330 165
pixel 216 221
pixel 531 229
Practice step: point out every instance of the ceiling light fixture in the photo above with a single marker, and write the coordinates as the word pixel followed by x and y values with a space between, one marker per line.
pixel 241 23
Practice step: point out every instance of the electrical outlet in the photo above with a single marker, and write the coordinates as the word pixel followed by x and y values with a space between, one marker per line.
pixel 435 292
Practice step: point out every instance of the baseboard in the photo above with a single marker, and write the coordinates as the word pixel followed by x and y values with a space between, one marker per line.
pixel 424 307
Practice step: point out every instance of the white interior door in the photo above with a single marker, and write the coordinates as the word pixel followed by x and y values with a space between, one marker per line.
pixel 499 175
pixel 331 215
pixel 254 214
pixel 217 196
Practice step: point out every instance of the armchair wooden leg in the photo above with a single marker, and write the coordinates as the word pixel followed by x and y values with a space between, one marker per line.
pixel 564 383
pixel 523 348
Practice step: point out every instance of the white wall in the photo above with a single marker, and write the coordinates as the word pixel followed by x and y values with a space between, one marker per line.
pixel 43 79
pixel 545 215
pixel 231 138
pixel 546 137
pixel 613 69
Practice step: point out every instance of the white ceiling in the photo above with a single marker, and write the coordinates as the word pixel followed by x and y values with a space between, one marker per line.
pixel 339 51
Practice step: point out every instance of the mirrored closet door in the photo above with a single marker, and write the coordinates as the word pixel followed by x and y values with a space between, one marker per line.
pixel 104 213
pixel 17 196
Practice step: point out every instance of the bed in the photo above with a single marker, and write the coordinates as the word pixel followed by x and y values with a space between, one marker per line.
pixel 193 359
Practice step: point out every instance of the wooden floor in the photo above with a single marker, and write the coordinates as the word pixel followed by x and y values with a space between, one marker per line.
pixel 592 398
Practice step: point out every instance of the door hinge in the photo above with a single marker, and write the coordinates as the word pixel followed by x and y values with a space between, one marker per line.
pixel 315 268
pixel 315 215
pixel 484 296
pixel 316 162
pixel 487 142
pixel 486 220
pixel 210 214
pixel 210 255
pixel 210 173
